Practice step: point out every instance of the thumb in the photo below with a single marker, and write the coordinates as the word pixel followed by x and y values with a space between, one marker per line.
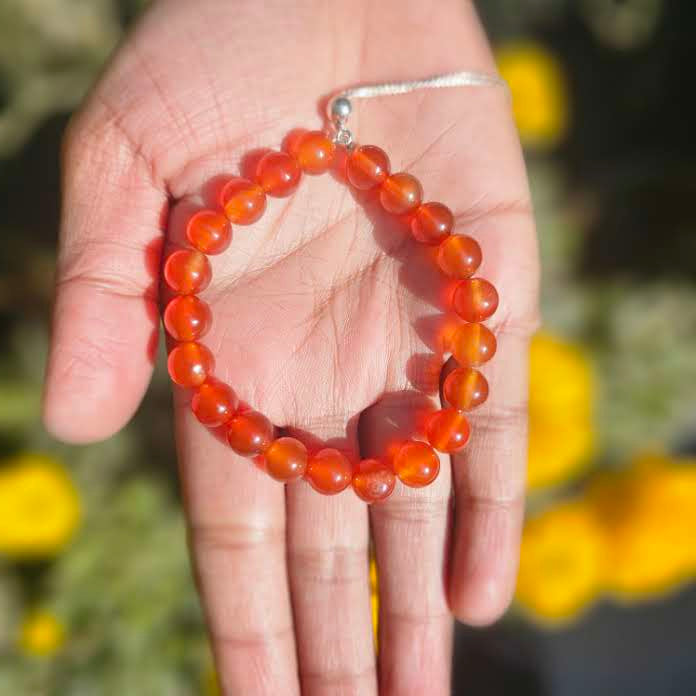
pixel 105 321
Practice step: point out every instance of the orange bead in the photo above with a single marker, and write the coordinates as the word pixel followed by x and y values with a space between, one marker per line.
pixel 329 471
pixel 459 256
pixel 400 193
pixel 416 464
pixel 448 430
pixel 249 433
pixel 209 232
pixel 187 271
pixel 286 459
pixel 278 174
pixel 186 318
pixel 367 166
pixel 315 152
pixel 373 481
pixel 473 344
pixel 214 403
pixel 189 364
pixel 475 299
pixel 243 201
pixel 465 388
pixel 432 223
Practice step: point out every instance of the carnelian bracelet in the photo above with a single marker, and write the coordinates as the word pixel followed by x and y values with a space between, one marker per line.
pixel 187 318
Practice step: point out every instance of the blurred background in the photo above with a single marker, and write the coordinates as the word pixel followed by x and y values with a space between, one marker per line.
pixel 95 591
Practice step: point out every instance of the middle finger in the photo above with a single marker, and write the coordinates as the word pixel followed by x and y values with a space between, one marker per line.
pixel 411 536
pixel 328 568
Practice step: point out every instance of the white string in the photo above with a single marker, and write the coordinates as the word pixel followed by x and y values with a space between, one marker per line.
pixel 464 78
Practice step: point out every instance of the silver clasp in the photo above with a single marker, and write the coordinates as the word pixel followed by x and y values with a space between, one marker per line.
pixel 338 111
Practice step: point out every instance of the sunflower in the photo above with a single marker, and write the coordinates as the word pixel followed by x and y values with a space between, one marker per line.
pixel 561 562
pixel 539 92
pixel 39 507
pixel 374 598
pixel 41 634
pixel 649 514
pixel 561 426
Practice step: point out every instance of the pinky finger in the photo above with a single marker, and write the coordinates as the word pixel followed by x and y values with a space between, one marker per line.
pixel 489 480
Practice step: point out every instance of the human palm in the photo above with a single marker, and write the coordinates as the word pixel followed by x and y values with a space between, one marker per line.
pixel 328 318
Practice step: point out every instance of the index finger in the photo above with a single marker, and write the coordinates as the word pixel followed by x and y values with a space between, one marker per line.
pixel 106 318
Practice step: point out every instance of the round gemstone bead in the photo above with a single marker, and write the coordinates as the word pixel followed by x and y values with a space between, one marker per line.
pixel 214 403
pixel 249 433
pixel 373 481
pixel 186 318
pixel 315 152
pixel 367 166
pixel 209 232
pixel 286 459
pixel 432 222
pixel 459 256
pixel 189 364
pixel 448 430
pixel 187 271
pixel 329 471
pixel 243 201
pixel 400 193
pixel 465 388
pixel 475 299
pixel 416 464
pixel 473 344
pixel 278 174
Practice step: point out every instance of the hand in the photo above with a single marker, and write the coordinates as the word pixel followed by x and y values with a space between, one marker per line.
pixel 324 313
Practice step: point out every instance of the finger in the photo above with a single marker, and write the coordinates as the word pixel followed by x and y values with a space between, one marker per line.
pixel 410 532
pixel 489 478
pixel 105 319
pixel 236 518
pixel 489 474
pixel 328 557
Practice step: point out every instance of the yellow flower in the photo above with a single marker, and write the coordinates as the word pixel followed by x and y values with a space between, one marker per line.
pixel 561 427
pixel 39 507
pixel 41 634
pixel 561 562
pixel 211 683
pixel 539 92
pixel 649 513
pixel 374 598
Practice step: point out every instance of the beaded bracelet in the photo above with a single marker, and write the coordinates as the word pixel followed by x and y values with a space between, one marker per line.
pixel 187 318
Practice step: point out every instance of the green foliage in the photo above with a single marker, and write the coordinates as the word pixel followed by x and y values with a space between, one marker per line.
pixel 642 335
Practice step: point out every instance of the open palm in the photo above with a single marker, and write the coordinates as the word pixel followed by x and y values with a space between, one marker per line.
pixel 328 318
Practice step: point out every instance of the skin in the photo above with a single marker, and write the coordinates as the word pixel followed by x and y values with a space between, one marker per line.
pixel 328 319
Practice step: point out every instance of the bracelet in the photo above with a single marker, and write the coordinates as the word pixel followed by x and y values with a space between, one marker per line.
pixel 187 318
